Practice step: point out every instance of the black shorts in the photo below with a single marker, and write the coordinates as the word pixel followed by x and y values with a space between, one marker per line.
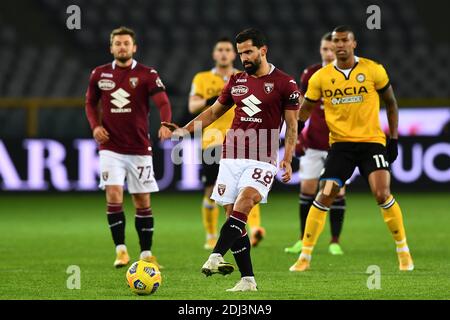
pixel 344 157
pixel 209 172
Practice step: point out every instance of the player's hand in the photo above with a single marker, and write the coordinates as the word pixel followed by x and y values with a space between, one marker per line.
pixel 287 171
pixel 100 134
pixel 171 126
pixel 164 133
pixel 176 131
pixel 392 150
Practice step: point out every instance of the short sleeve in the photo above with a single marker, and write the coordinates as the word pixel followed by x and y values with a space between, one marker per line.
pixel 314 92
pixel 225 97
pixel 291 94
pixel 154 83
pixel 380 77
pixel 197 88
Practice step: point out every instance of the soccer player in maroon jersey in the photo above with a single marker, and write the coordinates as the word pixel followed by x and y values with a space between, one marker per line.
pixel 264 96
pixel 120 128
pixel 312 145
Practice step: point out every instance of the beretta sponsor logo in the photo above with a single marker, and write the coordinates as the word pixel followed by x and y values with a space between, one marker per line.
pixel 239 90
pixel 106 84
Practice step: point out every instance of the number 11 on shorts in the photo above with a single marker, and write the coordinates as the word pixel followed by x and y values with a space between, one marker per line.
pixel 379 160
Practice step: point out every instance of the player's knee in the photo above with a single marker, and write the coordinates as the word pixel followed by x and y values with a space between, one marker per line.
pixel 246 204
pixel 114 194
pixel 247 200
pixel 141 200
pixel 329 189
pixel 381 195
pixel 308 186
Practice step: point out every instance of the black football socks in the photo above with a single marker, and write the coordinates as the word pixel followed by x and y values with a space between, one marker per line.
pixel 144 224
pixel 116 221
pixel 232 230
pixel 337 218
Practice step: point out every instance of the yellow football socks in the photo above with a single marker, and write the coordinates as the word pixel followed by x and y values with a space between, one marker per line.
pixel 254 217
pixel 314 227
pixel 210 214
pixel 392 215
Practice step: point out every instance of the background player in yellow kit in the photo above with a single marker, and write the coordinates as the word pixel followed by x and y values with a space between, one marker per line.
pixel 206 88
pixel 312 148
pixel 350 88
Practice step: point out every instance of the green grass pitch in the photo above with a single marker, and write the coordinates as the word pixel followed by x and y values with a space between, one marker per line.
pixel 41 235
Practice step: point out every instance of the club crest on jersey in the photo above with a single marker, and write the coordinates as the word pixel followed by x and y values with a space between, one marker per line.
pixel 221 189
pixel 105 175
pixel 360 77
pixel 268 87
pixel 239 90
pixel 106 84
pixel 134 82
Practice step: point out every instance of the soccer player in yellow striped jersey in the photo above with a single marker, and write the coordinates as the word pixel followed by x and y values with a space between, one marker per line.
pixel 205 89
pixel 350 88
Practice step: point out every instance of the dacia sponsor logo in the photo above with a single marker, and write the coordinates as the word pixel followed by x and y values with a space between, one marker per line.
pixel 239 90
pixel 344 92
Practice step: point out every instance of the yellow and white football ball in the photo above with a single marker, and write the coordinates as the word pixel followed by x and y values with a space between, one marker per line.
pixel 143 277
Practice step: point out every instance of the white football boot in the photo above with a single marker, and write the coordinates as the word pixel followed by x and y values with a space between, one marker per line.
pixel 216 264
pixel 245 284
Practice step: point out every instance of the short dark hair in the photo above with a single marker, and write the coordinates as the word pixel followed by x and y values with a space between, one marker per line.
pixel 224 39
pixel 326 36
pixel 345 28
pixel 258 38
pixel 122 31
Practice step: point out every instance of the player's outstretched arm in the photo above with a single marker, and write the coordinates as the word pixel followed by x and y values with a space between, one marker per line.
pixel 197 103
pixel 203 120
pixel 392 114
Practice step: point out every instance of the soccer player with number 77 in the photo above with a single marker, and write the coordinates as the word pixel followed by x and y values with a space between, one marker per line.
pixel 264 96
pixel 120 127
pixel 350 88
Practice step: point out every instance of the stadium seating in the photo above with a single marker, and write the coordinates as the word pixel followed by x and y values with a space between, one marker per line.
pixel 175 36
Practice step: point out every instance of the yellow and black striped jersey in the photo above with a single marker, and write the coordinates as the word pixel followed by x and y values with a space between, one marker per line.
pixel 208 84
pixel 351 100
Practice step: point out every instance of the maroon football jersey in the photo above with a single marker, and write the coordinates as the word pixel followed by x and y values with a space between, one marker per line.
pixel 259 113
pixel 316 136
pixel 124 94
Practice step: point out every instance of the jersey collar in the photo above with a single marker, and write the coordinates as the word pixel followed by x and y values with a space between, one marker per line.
pixel 133 64
pixel 335 62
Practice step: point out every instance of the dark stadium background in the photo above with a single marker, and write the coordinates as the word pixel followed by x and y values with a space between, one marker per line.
pixel 44 69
